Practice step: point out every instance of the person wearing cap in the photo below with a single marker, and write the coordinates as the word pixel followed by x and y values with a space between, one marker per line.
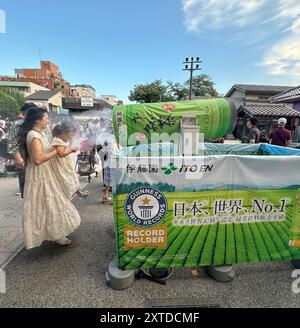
pixel 280 136
pixel 254 133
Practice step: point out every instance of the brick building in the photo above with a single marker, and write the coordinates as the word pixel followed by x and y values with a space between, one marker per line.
pixel 48 76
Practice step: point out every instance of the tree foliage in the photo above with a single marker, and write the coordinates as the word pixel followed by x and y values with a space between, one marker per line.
pixel 125 188
pixel 150 92
pixel 9 107
pixel 17 95
pixel 156 91
pixel 176 90
pixel 202 86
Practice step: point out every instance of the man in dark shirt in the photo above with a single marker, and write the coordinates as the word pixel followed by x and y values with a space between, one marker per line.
pixel 280 136
pixel 254 133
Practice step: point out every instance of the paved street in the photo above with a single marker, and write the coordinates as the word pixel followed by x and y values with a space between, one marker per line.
pixel 52 276
pixel 11 236
pixel 11 232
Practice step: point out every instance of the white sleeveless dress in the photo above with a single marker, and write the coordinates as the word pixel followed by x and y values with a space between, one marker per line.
pixel 65 170
pixel 48 213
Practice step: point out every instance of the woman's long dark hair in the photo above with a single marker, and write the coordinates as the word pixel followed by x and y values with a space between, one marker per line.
pixel 33 115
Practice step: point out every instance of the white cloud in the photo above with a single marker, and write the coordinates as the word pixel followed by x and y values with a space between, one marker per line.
pixel 284 57
pixel 288 8
pixel 295 27
pixel 216 14
pixel 255 20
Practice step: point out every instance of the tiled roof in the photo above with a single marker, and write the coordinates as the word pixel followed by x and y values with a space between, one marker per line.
pixel 269 109
pixel 42 95
pixel 290 95
pixel 258 88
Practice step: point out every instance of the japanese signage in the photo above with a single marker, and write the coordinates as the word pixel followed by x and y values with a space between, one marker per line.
pixel 87 102
pixel 223 209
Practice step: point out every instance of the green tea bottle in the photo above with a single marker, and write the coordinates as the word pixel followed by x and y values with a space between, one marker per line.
pixel 213 117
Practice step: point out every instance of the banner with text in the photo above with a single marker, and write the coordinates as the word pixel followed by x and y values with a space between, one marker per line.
pixel 215 210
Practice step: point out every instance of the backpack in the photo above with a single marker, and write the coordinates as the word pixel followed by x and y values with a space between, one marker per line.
pixel 263 138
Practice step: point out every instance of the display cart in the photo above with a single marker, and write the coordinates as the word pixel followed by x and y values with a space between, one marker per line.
pixel 228 204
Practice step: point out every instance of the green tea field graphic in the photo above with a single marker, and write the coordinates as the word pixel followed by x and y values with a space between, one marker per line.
pixel 213 244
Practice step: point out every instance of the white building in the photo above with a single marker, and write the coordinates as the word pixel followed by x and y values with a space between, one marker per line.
pixel 82 90
pixel 52 100
pixel 111 99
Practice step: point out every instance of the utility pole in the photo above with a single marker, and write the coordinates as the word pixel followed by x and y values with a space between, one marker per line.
pixel 189 66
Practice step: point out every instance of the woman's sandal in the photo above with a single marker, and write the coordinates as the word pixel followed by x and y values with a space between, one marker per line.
pixel 63 242
pixel 106 200
pixel 82 193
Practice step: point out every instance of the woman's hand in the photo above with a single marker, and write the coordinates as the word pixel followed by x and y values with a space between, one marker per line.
pixel 63 151
pixel 19 161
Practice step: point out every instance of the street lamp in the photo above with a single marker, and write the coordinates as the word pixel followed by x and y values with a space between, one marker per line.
pixel 189 66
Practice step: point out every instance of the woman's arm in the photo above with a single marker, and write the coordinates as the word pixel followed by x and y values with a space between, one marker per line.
pixel 63 151
pixel 37 152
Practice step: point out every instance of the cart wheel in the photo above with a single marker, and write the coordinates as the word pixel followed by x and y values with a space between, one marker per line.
pixel 222 273
pixel 296 263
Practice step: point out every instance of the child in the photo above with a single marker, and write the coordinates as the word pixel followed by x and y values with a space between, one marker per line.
pixel 62 135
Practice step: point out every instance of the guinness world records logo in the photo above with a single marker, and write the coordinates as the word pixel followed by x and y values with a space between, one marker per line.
pixel 145 206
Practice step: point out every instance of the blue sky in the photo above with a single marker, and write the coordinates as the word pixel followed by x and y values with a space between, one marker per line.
pixel 116 44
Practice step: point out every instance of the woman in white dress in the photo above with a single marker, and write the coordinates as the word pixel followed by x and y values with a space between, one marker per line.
pixel 48 213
